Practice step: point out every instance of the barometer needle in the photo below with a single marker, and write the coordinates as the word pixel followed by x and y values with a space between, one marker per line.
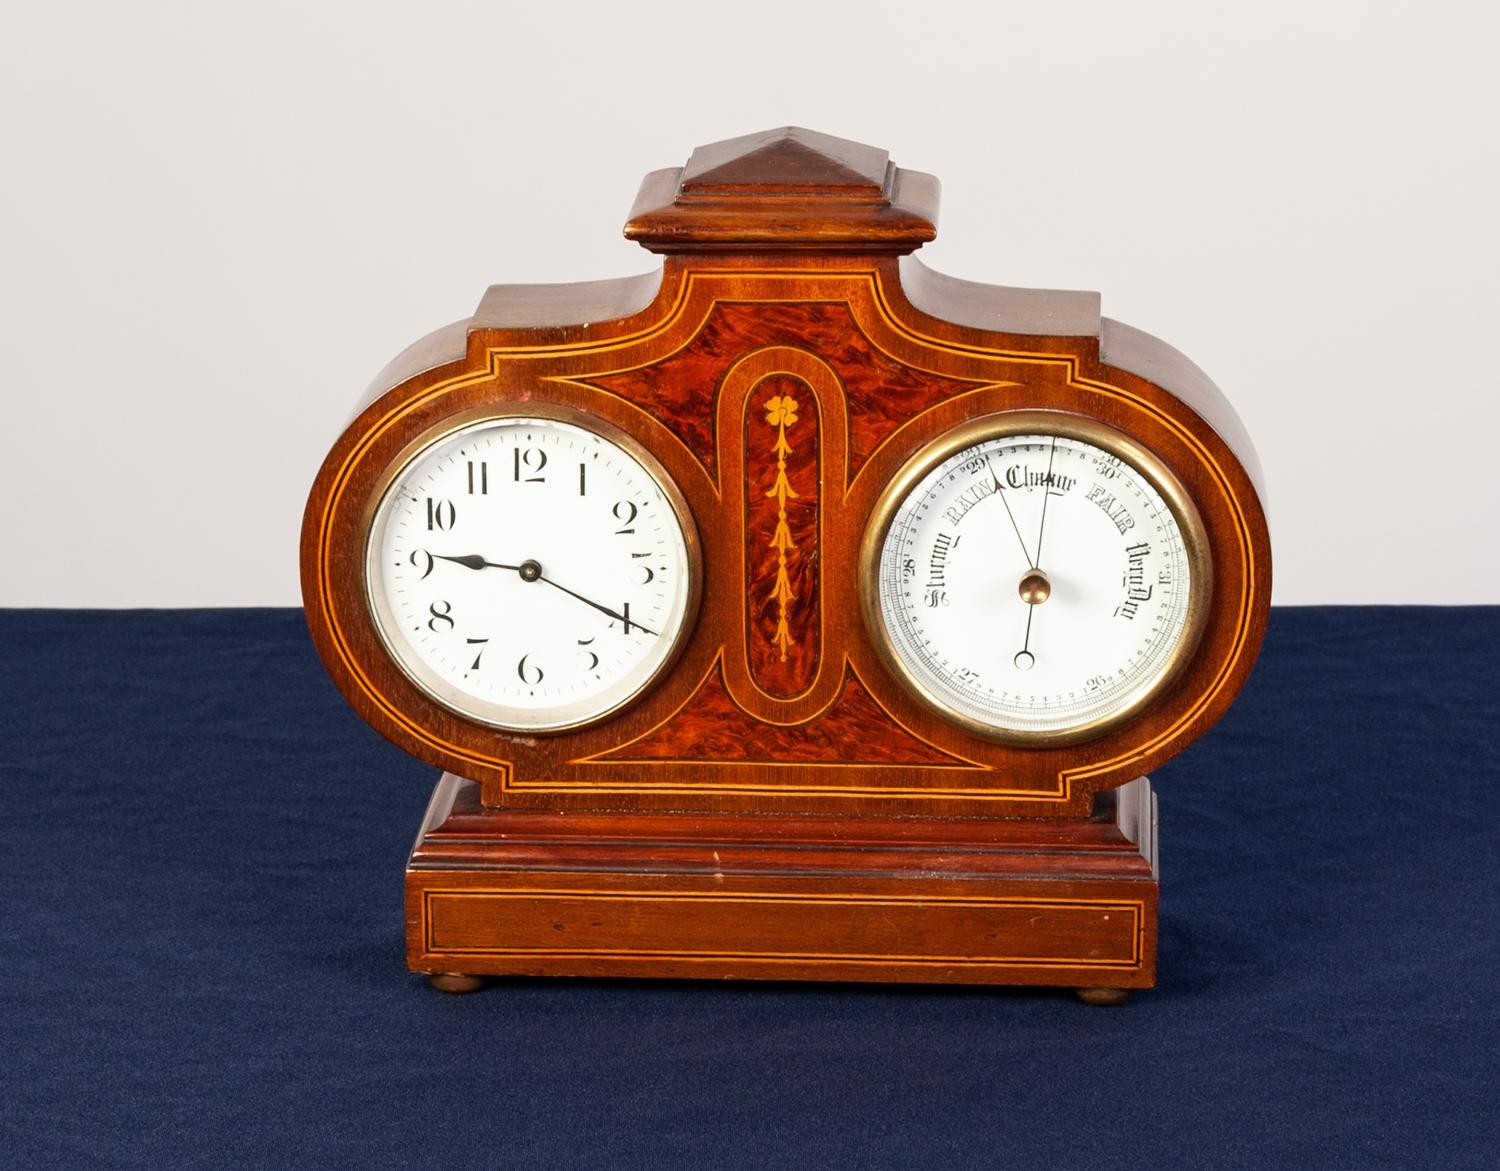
pixel 475 561
pixel 1024 659
pixel 1046 494
pixel 1000 492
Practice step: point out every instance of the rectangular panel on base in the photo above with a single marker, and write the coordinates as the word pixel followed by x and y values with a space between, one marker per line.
pixel 495 892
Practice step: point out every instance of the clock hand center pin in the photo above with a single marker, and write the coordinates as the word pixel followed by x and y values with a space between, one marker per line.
pixel 1036 588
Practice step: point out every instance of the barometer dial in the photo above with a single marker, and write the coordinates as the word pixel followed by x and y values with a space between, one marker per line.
pixel 532 573
pixel 1036 577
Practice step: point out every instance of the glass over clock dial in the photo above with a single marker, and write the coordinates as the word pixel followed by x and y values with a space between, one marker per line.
pixel 532 573
pixel 1036 577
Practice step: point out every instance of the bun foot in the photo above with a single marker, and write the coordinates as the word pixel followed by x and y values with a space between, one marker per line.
pixel 455 982
pixel 1103 997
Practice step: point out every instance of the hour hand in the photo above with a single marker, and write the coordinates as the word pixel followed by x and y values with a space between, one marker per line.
pixel 473 561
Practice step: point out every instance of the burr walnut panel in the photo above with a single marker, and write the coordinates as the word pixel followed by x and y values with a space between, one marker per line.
pixel 873 379
pixel 713 728
pixel 782 487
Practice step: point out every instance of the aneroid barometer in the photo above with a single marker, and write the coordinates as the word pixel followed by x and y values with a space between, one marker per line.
pixel 790 611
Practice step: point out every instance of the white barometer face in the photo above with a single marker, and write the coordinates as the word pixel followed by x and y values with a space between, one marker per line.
pixel 532 573
pixel 1036 577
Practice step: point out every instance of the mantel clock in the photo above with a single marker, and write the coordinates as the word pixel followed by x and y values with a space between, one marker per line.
pixel 793 610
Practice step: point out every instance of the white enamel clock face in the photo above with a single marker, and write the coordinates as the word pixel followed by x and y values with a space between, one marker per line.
pixel 1037 585
pixel 531 573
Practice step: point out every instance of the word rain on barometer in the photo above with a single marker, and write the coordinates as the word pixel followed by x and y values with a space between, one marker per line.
pixel 791 611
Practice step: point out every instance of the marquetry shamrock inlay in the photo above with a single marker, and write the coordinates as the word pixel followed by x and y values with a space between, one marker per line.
pixel 781 413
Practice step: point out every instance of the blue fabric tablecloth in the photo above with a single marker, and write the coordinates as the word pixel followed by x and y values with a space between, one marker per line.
pixel 203 955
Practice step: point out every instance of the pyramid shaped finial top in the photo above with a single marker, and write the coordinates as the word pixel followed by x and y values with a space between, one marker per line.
pixel 787 161
pixel 787 189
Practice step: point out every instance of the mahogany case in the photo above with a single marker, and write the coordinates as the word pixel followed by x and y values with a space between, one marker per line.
pixel 778 805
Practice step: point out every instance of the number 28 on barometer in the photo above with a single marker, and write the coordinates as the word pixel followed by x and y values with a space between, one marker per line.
pixel 791 610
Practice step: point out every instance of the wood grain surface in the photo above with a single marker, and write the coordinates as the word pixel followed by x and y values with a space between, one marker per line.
pixel 777 803
pixel 693 418
pixel 1010 901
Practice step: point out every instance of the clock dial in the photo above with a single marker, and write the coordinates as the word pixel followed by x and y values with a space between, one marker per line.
pixel 1038 577
pixel 532 573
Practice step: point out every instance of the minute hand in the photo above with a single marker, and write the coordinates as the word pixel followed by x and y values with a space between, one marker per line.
pixel 629 622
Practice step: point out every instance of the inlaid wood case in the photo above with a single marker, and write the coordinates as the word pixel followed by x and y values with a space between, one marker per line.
pixel 782 798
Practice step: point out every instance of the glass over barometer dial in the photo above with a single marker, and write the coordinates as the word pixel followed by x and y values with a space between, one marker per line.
pixel 532 573
pixel 1036 577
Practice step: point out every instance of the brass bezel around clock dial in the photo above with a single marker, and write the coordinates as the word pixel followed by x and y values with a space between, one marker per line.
pixel 1042 423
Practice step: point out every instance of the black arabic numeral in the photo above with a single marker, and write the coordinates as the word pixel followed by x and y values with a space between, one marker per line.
pixel 441 515
pixel 440 615
pixel 626 518
pixel 421 559
pixel 480 643
pixel 531 460
pixel 593 657
pixel 529 676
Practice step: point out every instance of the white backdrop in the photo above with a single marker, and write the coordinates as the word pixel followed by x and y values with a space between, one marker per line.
pixel 218 221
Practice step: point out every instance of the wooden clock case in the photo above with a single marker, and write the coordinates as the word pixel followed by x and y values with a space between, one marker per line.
pixel 777 805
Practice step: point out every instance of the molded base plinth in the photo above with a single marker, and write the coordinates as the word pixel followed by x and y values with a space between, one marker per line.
pixel 1069 903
